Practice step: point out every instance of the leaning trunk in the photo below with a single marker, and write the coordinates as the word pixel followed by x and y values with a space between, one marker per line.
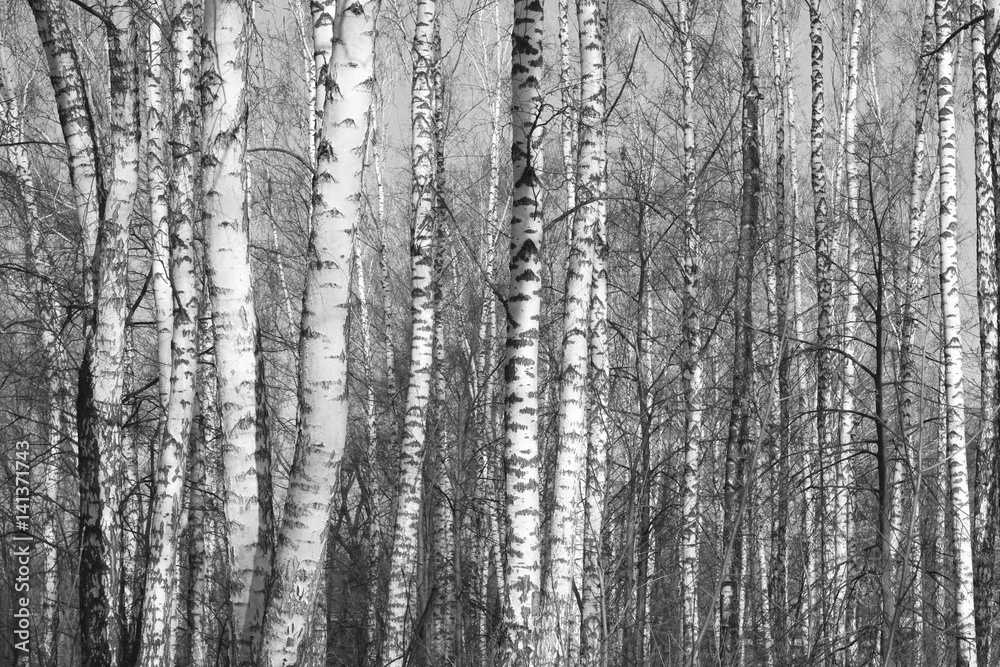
pixel 77 123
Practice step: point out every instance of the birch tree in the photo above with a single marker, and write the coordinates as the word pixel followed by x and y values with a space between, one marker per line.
pixel 986 273
pixel 107 354
pixel 155 133
pixel 824 283
pixel 559 632
pixel 227 232
pixel 443 627
pixel 835 550
pixel 837 567
pixel 105 217
pixel 169 475
pixel 738 439
pixel 593 181
pixel 786 319
pixel 522 574
pixel 568 118
pixel 914 279
pixel 403 560
pixel 171 466
pixel 593 639
pixel 987 501
pixel 323 338
pixel 692 373
pixel 89 195
pixel 961 527
pixel 77 123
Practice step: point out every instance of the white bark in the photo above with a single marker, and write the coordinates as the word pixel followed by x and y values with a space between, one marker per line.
pixel 168 513
pixel 323 347
pixel 909 375
pixel 403 562
pixel 559 638
pixel 383 260
pixel 156 144
pixel 227 232
pixel 77 126
pixel 692 370
pixel 824 301
pixel 568 118
pixel 961 527
pixel 443 497
pixel 838 572
pixel 108 360
pixel 593 646
pixel 89 197
pixel 324 17
pixel 522 572
pixel 986 272
pixel 738 439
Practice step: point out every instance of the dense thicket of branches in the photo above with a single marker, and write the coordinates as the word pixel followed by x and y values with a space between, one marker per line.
pixel 627 333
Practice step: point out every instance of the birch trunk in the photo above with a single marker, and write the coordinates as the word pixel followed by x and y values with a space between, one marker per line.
pixel 909 389
pixel 481 626
pixel 379 522
pixel 808 441
pixel 323 343
pixel 108 352
pixel 170 473
pixel 988 461
pixel 89 195
pixel 522 573
pixel 324 16
pixel 445 565
pixel 824 300
pixel 838 570
pixel 171 466
pixel 156 170
pixel 738 441
pixel 559 634
pixel 383 260
pixel 568 128
pixel 368 485
pixel 593 635
pixel 77 122
pixel 986 272
pixel 194 597
pixel 785 264
pixel 593 648
pixel 403 559
pixel 692 369
pixel 443 623
pixel 443 628
pixel 961 527
pixel 227 27
pixel 773 435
